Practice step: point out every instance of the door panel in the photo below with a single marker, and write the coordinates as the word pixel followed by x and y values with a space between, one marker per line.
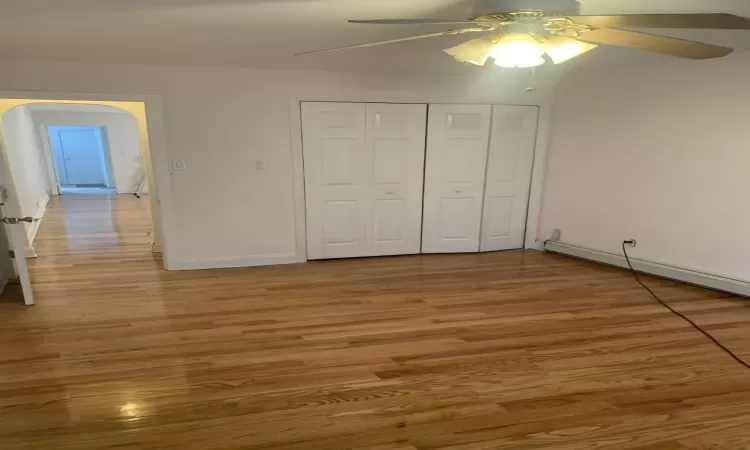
pixel 509 166
pixel 336 189
pixel 499 213
pixel 396 146
pixel 388 220
pixel 388 156
pixel 457 140
pixel 453 223
pixel 81 155
pixel 342 222
pixel 340 161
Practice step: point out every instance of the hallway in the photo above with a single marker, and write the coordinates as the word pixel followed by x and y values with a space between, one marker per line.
pixel 83 224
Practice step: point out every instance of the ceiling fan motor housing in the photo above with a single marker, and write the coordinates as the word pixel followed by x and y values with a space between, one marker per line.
pixel 554 7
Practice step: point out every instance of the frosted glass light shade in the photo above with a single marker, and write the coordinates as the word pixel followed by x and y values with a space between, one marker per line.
pixel 475 51
pixel 561 48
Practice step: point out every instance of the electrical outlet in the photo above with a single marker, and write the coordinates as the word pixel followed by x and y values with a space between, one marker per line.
pixel 555 236
pixel 630 242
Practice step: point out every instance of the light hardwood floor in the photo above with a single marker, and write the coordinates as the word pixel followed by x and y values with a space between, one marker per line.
pixel 513 350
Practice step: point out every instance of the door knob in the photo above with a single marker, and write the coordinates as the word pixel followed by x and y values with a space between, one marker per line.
pixel 16 220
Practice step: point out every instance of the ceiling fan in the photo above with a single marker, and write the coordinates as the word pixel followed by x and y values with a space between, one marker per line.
pixel 529 33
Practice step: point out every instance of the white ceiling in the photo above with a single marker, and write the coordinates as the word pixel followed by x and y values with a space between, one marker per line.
pixel 266 33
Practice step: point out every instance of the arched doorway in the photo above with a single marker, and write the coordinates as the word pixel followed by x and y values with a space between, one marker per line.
pixel 78 225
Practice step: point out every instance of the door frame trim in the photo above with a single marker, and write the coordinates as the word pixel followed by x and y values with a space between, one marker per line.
pixel 162 197
pixel 538 170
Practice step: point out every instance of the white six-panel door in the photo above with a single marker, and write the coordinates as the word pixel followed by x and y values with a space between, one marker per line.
pixel 336 187
pixel 457 142
pixel 511 157
pixel 363 178
pixel 395 143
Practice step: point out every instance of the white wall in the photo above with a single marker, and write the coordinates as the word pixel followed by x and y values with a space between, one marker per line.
pixel 220 121
pixel 122 135
pixel 659 153
pixel 27 164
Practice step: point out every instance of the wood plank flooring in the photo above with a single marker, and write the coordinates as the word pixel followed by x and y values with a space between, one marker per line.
pixel 512 350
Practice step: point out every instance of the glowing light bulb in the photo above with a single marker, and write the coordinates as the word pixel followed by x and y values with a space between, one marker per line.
pixel 518 50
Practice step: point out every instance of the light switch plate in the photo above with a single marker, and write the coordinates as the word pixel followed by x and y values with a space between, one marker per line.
pixel 179 165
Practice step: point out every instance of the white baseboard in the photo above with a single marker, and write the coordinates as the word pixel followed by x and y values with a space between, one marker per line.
pixel 732 286
pixel 537 245
pixel 240 261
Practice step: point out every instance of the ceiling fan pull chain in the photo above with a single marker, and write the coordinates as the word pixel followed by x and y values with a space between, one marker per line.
pixel 532 86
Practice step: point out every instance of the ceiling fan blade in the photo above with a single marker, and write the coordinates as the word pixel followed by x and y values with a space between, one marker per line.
pixel 717 21
pixel 412 21
pixel 393 41
pixel 654 43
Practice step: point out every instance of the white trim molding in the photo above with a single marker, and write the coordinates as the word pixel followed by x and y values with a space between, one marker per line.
pixel 711 281
pixel 538 178
pixel 34 228
pixel 238 261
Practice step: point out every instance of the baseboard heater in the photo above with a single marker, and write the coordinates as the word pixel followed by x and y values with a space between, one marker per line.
pixel 728 285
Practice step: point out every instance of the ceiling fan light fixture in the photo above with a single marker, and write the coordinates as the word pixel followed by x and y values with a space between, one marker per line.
pixel 518 50
pixel 561 48
pixel 475 51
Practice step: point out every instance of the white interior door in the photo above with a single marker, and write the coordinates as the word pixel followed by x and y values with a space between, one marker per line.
pixel 336 189
pixel 511 158
pixel 16 233
pixel 364 166
pixel 395 148
pixel 80 155
pixel 457 140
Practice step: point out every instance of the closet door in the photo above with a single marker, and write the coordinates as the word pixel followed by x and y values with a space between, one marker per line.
pixel 337 189
pixel 395 150
pixel 511 158
pixel 457 140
